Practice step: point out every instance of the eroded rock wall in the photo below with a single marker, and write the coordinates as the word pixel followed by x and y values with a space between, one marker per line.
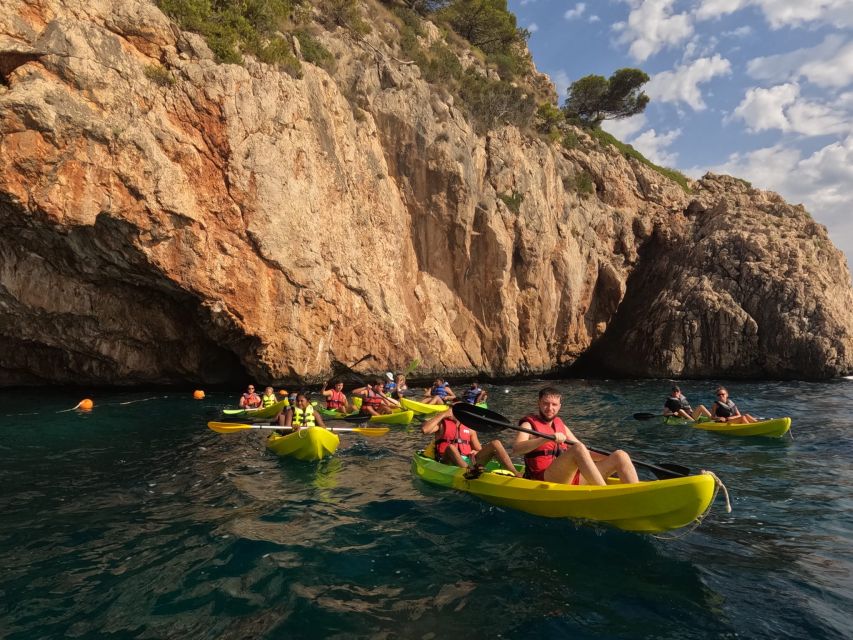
pixel 242 222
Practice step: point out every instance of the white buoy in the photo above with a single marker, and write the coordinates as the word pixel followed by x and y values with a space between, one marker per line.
pixel 506 390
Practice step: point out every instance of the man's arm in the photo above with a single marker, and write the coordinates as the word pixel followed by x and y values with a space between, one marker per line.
pixel 432 424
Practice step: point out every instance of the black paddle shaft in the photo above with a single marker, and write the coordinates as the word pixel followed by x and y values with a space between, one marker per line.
pixel 481 419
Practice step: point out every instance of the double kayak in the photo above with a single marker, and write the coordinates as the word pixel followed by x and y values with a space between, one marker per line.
pixel 311 443
pixel 425 409
pixel 647 507
pixel 773 428
pixel 264 413
pixel 398 417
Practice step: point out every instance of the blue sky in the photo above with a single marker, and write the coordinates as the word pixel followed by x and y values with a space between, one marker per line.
pixel 759 89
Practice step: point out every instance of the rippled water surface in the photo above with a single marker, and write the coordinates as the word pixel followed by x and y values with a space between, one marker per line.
pixel 136 521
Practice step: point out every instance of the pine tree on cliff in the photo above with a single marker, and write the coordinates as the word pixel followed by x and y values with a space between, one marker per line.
pixel 593 99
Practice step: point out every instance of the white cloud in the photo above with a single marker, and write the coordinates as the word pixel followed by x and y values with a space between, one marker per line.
pixel 651 27
pixel 577 12
pixel 820 181
pixel 740 32
pixel 655 146
pixel 594 18
pixel 829 64
pixel 682 83
pixel 624 128
pixel 782 107
pixel 533 27
pixel 561 82
pixel 784 13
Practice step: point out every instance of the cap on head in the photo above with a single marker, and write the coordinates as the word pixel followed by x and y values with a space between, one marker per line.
pixel 389 375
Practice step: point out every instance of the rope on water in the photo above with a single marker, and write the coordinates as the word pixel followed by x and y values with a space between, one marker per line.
pixel 718 484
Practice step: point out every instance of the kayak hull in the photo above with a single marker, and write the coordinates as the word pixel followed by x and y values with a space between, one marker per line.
pixel 647 507
pixel 424 409
pixel 265 413
pixel 398 417
pixel 312 443
pixel 773 428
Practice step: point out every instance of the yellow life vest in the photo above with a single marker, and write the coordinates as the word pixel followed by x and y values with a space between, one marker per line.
pixel 268 401
pixel 303 418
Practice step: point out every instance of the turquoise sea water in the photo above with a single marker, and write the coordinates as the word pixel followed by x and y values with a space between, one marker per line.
pixel 136 521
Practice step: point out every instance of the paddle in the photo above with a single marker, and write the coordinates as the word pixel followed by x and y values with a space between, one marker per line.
pixel 649 416
pixel 231 427
pixel 481 419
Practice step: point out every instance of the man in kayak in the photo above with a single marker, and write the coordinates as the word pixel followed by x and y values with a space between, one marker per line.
pixel 301 415
pixel 566 460
pixel 250 399
pixel 676 405
pixel 439 393
pixel 390 387
pixel 373 401
pixel 459 445
pixel 725 410
pixel 335 398
pixel 475 394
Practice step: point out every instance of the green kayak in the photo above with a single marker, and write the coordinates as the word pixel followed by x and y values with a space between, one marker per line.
pixel 397 417
pixel 773 428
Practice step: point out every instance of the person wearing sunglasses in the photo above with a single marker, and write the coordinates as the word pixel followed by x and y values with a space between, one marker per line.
pixel 250 399
pixel 725 410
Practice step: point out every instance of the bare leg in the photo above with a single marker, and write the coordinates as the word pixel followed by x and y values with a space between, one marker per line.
pixel 369 411
pixel 619 463
pixel 701 411
pixel 451 455
pixel 576 458
pixel 495 449
pixel 683 414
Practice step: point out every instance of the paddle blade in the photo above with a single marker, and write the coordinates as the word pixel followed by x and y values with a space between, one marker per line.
pixel 228 427
pixel 371 432
pixel 645 416
pixel 480 419
pixel 677 469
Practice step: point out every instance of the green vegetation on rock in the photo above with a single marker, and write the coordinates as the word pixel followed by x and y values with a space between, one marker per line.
pixel 628 151
pixel 593 99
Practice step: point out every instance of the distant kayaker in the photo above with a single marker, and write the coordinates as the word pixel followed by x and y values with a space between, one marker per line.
pixel 390 387
pixel 250 399
pixel 676 405
pixel 725 410
pixel 459 445
pixel 566 460
pixel 269 398
pixel 335 398
pixel 301 414
pixel 401 386
pixel 439 393
pixel 475 394
pixel 374 402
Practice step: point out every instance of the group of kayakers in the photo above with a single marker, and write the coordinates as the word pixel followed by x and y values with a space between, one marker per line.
pixel 722 410
pixel 563 459
pixel 555 456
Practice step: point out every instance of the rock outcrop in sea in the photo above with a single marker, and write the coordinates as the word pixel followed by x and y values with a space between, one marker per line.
pixel 234 221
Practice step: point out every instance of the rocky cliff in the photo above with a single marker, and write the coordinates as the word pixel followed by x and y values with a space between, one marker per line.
pixel 234 221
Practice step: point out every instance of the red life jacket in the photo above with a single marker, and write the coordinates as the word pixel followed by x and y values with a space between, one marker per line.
pixel 372 399
pixel 336 401
pixel 252 400
pixel 536 461
pixel 453 433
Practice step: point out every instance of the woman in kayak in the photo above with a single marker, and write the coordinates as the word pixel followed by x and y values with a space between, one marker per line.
pixel 439 393
pixel 250 399
pixel 676 405
pixel 301 415
pixel 401 387
pixel 335 398
pixel 725 410
pixel 566 460
pixel 459 445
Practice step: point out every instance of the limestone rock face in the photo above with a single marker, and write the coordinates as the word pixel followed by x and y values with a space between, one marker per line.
pixel 166 219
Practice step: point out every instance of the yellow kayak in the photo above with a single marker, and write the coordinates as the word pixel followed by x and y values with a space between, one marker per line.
pixel 263 413
pixel 422 408
pixel 311 443
pixel 773 428
pixel 648 507
pixel 395 417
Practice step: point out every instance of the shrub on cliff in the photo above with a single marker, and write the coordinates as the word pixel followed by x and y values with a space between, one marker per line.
pixel 492 103
pixel 231 29
pixel 593 99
